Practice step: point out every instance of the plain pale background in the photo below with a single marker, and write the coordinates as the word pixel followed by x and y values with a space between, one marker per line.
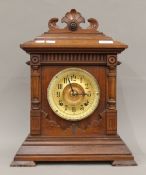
pixel 22 20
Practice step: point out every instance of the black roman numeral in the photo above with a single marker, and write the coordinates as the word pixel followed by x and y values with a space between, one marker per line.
pixel 60 86
pixel 73 109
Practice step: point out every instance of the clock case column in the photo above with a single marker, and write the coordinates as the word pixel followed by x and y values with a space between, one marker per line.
pixel 111 112
pixel 35 113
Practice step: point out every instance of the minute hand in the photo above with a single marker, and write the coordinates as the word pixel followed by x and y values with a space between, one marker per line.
pixel 70 85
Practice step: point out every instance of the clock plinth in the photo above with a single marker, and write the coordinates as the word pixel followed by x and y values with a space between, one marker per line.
pixel 73 112
pixel 110 148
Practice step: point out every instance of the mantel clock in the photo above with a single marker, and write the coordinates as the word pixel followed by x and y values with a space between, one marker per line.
pixel 73 114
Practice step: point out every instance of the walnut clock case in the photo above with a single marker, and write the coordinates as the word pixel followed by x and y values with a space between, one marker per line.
pixel 73 113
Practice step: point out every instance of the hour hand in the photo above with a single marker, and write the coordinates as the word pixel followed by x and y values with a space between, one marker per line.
pixel 83 94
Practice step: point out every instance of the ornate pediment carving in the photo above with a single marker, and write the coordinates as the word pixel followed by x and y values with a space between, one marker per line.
pixel 73 19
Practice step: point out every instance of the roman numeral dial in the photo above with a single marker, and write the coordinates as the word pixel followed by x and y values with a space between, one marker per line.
pixel 73 94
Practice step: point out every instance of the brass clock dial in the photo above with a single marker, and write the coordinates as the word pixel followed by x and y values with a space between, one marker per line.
pixel 73 94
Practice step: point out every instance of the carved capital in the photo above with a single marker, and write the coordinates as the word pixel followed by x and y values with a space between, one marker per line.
pixel 111 61
pixel 35 72
pixel 34 59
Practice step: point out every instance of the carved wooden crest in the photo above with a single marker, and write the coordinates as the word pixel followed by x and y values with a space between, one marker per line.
pixel 73 20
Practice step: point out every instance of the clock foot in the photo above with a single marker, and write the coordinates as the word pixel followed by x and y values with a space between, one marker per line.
pixel 23 163
pixel 124 163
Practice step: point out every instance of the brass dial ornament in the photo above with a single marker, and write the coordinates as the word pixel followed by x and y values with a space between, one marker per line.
pixel 73 94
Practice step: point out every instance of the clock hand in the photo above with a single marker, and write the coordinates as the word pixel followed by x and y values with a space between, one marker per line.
pixel 82 94
pixel 70 85
pixel 88 94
